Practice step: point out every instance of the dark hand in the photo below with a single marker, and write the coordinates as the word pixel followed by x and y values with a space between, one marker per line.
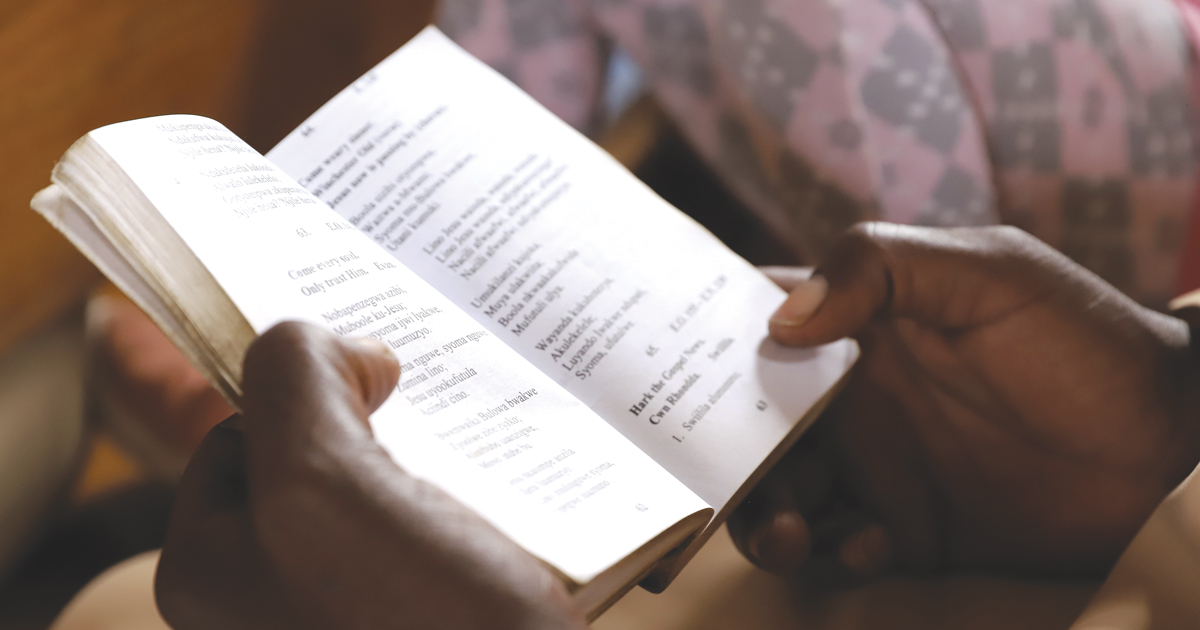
pixel 1011 412
pixel 303 521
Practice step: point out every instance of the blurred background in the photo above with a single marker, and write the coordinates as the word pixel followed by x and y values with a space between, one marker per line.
pixel 72 503
pixel 68 66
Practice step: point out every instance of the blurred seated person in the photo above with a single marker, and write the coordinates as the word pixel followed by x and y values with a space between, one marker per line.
pixel 144 391
pixel 1075 120
pixel 1011 412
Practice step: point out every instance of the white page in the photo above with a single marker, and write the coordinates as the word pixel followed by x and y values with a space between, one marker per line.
pixel 494 432
pixel 477 188
pixel 78 227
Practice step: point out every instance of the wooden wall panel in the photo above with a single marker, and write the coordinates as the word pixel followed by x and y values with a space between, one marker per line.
pixel 68 66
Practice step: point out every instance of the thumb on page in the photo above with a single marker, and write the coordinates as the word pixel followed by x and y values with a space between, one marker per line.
pixel 308 391
pixel 940 277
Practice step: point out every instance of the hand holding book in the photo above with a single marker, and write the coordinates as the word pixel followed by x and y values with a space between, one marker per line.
pixel 1007 269
pixel 1012 412
pixel 584 367
pixel 301 520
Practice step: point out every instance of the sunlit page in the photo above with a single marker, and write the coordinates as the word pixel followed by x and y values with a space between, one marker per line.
pixel 562 254
pixel 490 428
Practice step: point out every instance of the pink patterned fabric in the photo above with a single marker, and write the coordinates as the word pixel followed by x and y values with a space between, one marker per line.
pixel 1073 119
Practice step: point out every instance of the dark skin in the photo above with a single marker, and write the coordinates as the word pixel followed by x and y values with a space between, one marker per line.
pixel 301 520
pixel 1011 413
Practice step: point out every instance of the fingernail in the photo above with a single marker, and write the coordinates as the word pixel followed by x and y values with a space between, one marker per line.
pixel 756 541
pixel 372 346
pixel 802 302
pixel 781 544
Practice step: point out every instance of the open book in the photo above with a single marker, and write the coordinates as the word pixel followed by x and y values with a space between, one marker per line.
pixel 583 365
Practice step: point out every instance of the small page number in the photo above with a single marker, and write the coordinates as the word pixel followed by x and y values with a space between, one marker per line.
pixel 642 508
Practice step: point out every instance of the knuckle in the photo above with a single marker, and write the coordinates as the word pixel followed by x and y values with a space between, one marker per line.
pixel 862 244
pixel 1012 249
pixel 285 337
pixel 877 236
pixel 860 234
pixel 1010 232
pixel 285 345
pixel 1013 237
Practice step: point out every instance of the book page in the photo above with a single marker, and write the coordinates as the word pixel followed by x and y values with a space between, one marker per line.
pixel 561 253
pixel 469 414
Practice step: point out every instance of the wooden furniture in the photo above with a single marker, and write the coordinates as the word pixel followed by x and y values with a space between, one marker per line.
pixel 68 66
